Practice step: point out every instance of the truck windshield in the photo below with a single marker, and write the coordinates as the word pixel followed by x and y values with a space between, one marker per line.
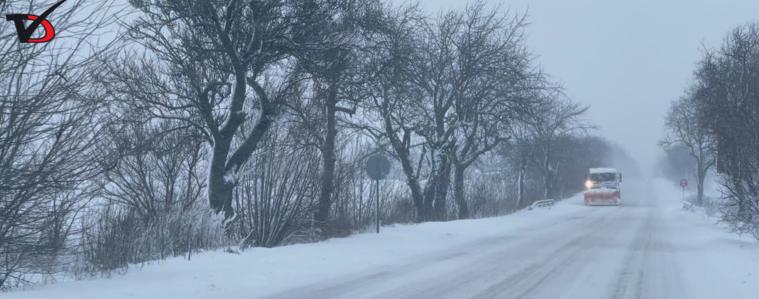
pixel 603 177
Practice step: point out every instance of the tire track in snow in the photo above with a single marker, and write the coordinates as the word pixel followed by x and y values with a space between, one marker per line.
pixel 631 272
pixel 484 260
pixel 524 282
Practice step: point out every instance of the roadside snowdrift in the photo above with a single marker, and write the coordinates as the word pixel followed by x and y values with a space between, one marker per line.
pixel 260 271
pixel 714 262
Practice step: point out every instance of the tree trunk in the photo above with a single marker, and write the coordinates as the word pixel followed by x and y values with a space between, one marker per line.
pixel 437 191
pixel 547 177
pixel 520 185
pixel 401 148
pixel 220 185
pixel 700 184
pixel 441 195
pixel 329 160
pixel 458 191
pixel 224 168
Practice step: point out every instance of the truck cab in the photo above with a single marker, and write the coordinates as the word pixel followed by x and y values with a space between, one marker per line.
pixel 603 187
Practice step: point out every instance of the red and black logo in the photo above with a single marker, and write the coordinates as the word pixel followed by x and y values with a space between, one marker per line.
pixel 25 33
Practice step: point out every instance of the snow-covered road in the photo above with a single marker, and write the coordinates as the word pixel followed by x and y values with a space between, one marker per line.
pixel 648 248
pixel 599 252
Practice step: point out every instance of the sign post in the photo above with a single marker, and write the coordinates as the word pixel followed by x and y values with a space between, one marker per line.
pixel 377 168
pixel 683 185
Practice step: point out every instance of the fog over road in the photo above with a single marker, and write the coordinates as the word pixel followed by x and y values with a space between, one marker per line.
pixel 598 252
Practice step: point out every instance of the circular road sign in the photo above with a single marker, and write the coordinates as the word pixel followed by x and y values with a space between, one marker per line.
pixel 377 167
pixel 683 183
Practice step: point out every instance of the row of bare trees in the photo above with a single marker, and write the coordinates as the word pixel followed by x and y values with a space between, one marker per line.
pixel 247 122
pixel 716 124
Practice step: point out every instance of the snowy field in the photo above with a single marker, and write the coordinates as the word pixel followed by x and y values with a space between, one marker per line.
pixel 649 248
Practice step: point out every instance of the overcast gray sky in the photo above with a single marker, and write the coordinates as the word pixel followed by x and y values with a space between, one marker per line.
pixel 627 59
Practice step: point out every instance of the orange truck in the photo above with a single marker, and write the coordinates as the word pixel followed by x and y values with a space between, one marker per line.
pixel 603 187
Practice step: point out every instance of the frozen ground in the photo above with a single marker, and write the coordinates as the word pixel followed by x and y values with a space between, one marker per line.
pixel 649 248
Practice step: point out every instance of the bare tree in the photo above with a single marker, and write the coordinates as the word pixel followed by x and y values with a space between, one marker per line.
pixel 494 84
pixel 50 121
pixel 399 102
pixel 389 92
pixel 214 66
pixel 520 151
pixel 336 42
pixel 685 130
pixel 554 118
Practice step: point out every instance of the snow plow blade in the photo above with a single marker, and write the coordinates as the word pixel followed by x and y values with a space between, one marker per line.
pixel 602 197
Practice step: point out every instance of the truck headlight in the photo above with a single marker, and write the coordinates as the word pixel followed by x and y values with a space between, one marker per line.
pixel 588 184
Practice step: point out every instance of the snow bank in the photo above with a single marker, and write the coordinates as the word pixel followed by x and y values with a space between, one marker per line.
pixel 714 262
